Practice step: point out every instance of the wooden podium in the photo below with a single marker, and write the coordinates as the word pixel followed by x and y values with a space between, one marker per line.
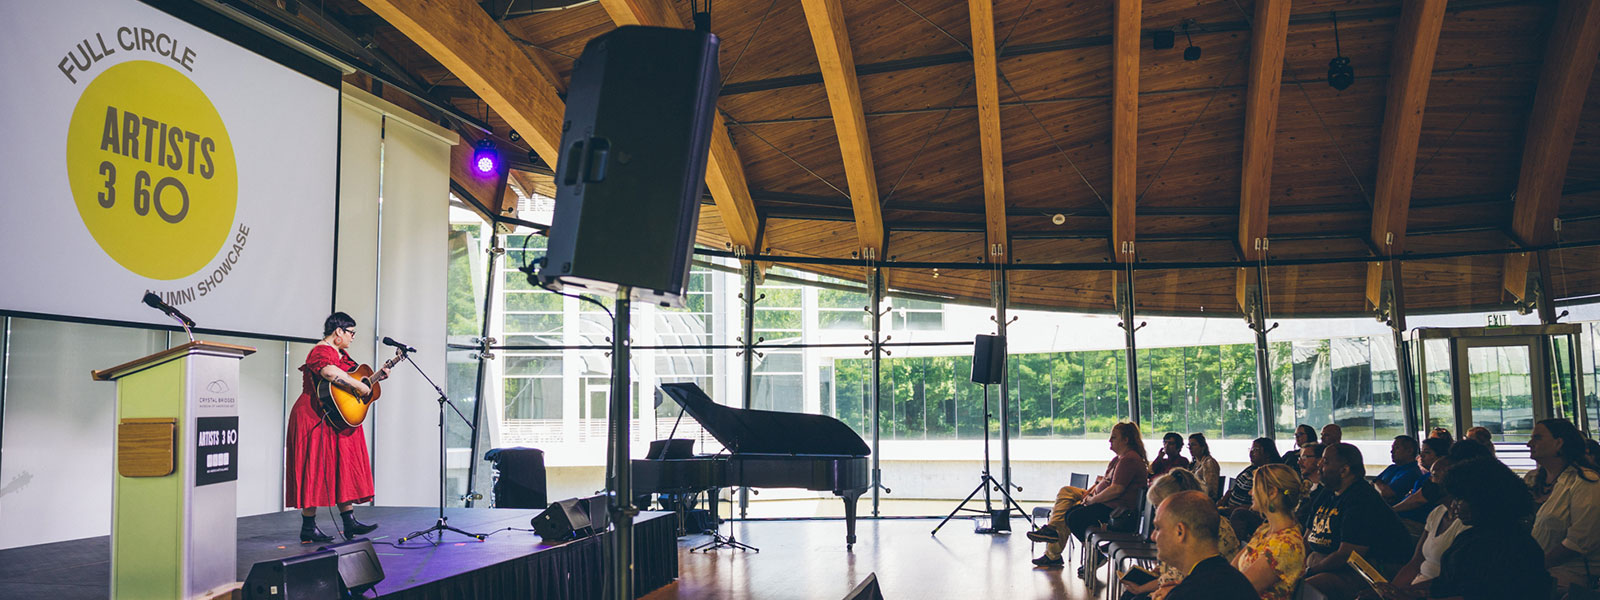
pixel 174 528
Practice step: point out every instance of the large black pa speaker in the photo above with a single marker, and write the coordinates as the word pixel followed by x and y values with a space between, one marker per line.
pixel 313 576
pixel 599 512
pixel 562 521
pixel 359 569
pixel 988 359
pixel 634 144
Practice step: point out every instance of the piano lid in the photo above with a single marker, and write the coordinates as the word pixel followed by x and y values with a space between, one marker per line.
pixel 750 431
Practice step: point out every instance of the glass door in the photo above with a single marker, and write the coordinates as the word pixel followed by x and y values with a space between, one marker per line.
pixel 1502 376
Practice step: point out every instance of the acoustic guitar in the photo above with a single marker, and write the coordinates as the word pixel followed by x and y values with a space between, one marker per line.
pixel 343 408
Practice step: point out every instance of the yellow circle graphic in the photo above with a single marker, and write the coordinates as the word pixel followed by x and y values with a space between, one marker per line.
pixel 152 170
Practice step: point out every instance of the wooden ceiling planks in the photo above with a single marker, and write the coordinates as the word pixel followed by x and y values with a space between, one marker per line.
pixel 1055 69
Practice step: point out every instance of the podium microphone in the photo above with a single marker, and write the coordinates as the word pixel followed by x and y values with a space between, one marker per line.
pixel 403 348
pixel 155 302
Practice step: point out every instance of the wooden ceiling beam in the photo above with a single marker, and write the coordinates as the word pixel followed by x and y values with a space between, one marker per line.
pixel 1569 62
pixel 828 33
pixel 986 70
pixel 725 171
pixel 1267 43
pixel 1124 126
pixel 464 39
pixel 1416 43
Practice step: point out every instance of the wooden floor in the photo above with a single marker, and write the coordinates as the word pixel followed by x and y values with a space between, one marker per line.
pixel 807 560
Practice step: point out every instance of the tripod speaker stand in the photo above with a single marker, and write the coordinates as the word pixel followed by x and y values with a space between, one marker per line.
pixel 988 366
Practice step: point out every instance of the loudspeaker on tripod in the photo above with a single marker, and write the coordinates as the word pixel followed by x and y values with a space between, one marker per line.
pixel 988 359
pixel 633 158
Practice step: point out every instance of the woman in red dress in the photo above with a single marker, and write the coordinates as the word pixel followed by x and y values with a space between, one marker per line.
pixel 324 466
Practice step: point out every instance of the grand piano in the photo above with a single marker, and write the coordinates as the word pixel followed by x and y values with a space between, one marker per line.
pixel 765 449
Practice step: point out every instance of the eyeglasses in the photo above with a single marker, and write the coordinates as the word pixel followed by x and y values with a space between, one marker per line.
pixel 348 330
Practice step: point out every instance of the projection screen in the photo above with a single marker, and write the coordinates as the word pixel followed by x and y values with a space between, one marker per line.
pixel 167 150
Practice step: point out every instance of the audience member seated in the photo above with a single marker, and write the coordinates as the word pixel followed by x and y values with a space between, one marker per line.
pixel 1425 495
pixel 1567 527
pixel 1274 559
pixel 1438 532
pixel 1303 435
pixel 1331 434
pixel 1441 433
pixel 1178 480
pixel 1399 478
pixel 1077 510
pixel 1205 467
pixel 1310 476
pixel 1482 436
pixel 1494 558
pixel 1186 529
pixel 1347 516
pixel 1592 448
pixel 1170 456
pixel 1236 505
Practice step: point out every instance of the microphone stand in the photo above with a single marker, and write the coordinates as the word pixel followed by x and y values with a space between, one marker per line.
pixel 443 523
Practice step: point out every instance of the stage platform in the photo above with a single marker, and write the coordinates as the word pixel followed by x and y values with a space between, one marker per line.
pixel 507 564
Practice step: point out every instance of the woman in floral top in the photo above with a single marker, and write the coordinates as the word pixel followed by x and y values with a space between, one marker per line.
pixel 1274 558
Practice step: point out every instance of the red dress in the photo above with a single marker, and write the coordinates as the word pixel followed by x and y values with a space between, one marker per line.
pixel 323 467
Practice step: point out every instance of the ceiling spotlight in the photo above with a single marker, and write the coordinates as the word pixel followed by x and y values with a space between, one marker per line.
pixel 1058 219
pixel 485 157
pixel 515 137
pixel 1340 75
pixel 1193 51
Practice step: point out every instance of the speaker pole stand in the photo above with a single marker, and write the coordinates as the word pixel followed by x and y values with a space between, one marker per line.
pixel 619 460
pixel 984 484
pixel 443 524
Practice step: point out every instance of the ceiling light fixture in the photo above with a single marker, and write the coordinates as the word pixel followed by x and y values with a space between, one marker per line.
pixel 1193 51
pixel 485 157
pixel 1340 75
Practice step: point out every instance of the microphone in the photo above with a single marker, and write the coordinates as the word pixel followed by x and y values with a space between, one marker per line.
pixel 155 302
pixel 403 348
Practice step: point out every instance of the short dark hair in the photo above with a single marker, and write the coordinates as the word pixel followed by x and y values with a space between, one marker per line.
pixel 1351 457
pixel 1172 435
pixel 1268 449
pixel 1316 448
pixel 1407 442
pixel 1205 448
pixel 1468 451
pixel 1439 446
pixel 1496 496
pixel 335 322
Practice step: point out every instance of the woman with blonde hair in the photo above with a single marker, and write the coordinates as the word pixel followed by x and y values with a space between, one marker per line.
pixel 1274 558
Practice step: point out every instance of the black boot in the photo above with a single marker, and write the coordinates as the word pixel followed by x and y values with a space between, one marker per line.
pixel 352 527
pixel 310 534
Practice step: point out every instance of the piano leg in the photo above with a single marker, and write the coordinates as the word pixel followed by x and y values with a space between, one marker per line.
pixel 850 517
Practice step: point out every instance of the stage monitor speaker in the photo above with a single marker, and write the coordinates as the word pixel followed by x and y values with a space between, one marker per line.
pixel 634 144
pixel 359 569
pixel 562 521
pixel 988 359
pixel 599 512
pixel 866 590
pixel 313 576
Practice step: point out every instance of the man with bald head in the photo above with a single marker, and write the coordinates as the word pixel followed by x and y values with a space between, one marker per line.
pixel 1186 527
pixel 1331 434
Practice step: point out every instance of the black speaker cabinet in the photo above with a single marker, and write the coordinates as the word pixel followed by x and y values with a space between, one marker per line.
pixel 519 477
pixel 359 569
pixel 598 510
pixel 634 144
pixel 313 576
pixel 988 359
pixel 866 590
pixel 563 520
